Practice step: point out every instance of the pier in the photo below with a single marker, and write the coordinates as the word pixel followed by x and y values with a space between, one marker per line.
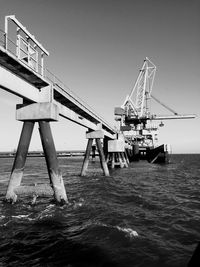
pixel 45 99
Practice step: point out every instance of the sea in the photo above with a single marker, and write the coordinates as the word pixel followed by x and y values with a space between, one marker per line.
pixel 141 216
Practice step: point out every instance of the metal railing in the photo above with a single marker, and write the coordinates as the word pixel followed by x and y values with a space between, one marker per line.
pixel 47 75
pixel 2 38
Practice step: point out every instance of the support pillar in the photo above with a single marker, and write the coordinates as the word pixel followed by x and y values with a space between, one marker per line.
pixel 102 157
pixel 55 175
pixel 19 162
pixel 97 135
pixel 126 156
pixel 105 146
pixel 125 162
pixel 116 154
pixel 42 113
pixel 93 153
pixel 86 158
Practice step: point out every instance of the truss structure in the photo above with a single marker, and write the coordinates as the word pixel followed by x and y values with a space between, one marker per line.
pixel 135 104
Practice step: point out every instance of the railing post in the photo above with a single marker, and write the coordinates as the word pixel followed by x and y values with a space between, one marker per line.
pixel 18 43
pixel 6 32
pixel 42 64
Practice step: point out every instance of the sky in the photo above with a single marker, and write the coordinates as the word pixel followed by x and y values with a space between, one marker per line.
pixel 97 48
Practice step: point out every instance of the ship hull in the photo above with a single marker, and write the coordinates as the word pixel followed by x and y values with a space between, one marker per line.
pixel 157 154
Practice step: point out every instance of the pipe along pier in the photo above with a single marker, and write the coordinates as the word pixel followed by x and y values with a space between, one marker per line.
pixel 45 99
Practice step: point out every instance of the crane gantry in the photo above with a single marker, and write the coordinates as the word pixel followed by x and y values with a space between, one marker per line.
pixel 135 108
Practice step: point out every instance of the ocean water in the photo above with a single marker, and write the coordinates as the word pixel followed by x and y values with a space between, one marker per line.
pixel 145 215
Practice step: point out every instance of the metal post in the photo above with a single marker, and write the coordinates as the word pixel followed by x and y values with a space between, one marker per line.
pixel 6 32
pixel 102 157
pixel 42 64
pixel 20 159
pixel 55 175
pixel 18 43
pixel 87 156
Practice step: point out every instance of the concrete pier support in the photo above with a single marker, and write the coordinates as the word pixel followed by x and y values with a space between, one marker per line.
pixel 126 156
pixel 105 146
pixel 93 152
pixel 42 113
pixel 19 162
pixel 116 154
pixel 102 157
pixel 97 135
pixel 87 157
pixel 55 175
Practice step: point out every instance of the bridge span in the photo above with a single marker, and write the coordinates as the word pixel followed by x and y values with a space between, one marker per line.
pixel 45 98
pixel 23 74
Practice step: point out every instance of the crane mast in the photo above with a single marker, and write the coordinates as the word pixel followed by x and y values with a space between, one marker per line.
pixel 136 102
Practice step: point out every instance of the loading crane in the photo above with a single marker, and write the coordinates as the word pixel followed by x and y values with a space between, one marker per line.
pixel 136 120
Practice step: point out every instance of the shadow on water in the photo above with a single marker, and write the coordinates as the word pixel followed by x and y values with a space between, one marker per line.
pixel 46 243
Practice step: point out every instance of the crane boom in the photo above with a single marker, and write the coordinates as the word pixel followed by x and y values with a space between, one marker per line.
pixel 173 117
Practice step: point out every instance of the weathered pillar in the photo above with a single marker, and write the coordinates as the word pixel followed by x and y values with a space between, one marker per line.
pixel 86 158
pixel 102 157
pixel 55 175
pixel 20 159
pixel 42 113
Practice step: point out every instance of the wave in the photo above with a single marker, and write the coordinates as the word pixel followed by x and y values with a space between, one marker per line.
pixel 128 231
pixel 20 216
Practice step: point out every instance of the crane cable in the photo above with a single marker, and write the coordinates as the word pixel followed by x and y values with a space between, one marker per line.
pixel 158 101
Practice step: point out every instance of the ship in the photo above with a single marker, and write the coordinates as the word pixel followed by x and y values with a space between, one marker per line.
pixel 139 125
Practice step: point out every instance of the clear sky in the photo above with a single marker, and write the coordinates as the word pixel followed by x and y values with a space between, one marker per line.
pixel 97 47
